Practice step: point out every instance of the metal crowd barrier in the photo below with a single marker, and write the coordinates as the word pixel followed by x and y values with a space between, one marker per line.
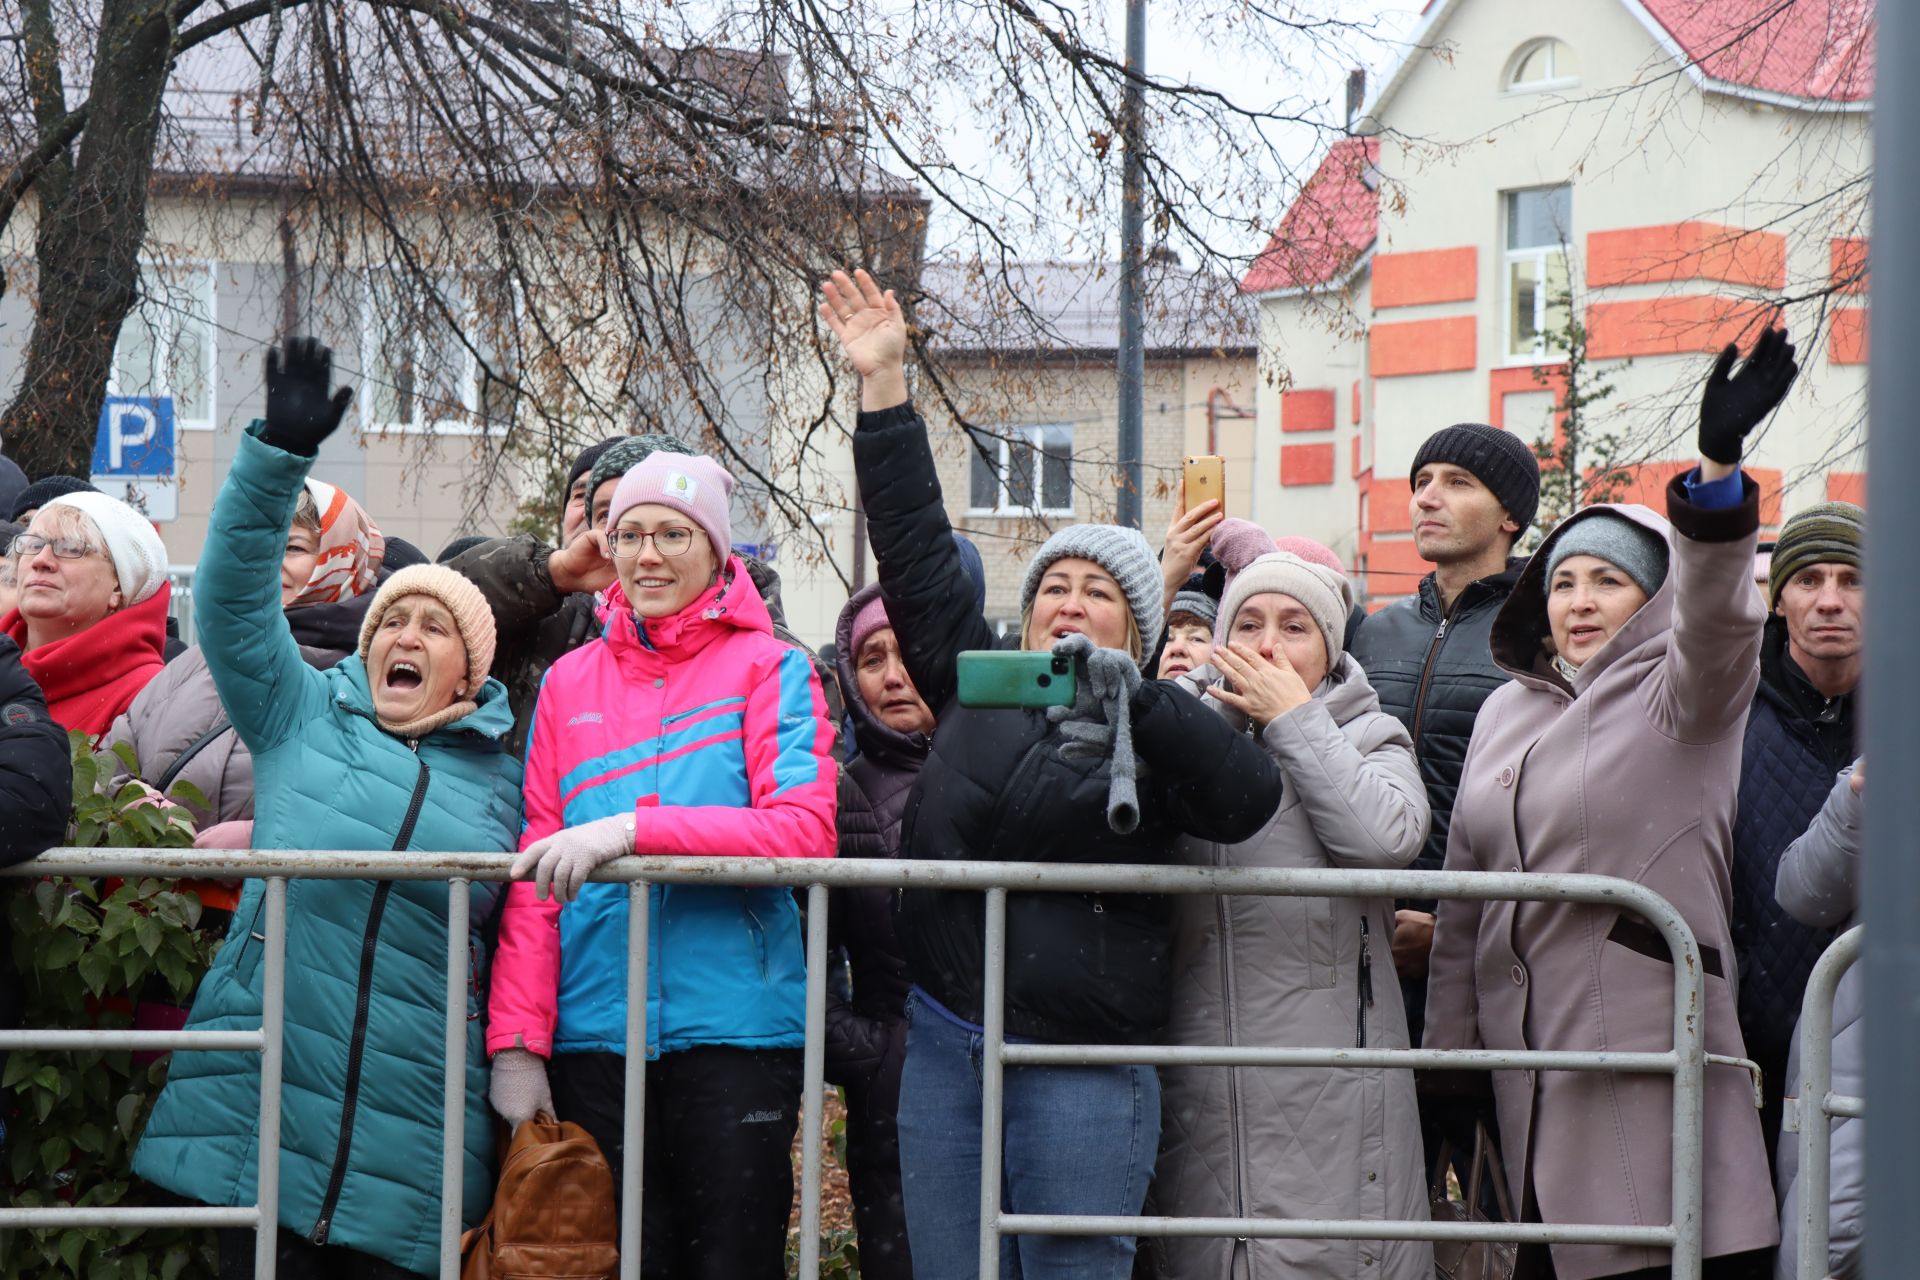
pixel 1817 1103
pixel 1685 1062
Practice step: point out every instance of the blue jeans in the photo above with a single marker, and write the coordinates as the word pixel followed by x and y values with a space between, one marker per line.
pixel 1077 1140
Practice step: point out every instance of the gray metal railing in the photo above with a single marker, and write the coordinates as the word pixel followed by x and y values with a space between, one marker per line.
pixel 1808 1113
pixel 1686 1062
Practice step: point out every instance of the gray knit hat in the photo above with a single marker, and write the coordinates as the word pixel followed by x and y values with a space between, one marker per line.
pixel 625 456
pixel 1634 549
pixel 1197 604
pixel 1124 553
pixel 1327 595
pixel 1825 533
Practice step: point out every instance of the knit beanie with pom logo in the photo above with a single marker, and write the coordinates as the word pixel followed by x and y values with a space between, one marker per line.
pixel 697 487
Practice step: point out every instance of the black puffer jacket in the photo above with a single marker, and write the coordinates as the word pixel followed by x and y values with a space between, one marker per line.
pixel 995 787
pixel 1796 742
pixel 36 796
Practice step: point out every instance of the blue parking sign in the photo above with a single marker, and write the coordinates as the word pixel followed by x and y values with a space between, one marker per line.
pixel 135 440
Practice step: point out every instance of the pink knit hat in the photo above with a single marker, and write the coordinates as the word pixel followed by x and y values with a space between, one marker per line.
pixel 871 618
pixel 1312 552
pixel 697 487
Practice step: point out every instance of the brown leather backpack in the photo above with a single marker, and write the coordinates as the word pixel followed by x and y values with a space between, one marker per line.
pixel 554 1213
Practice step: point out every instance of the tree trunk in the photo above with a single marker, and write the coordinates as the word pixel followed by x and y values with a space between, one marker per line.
pixel 87 246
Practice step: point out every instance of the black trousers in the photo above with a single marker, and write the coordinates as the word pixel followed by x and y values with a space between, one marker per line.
pixel 300 1260
pixel 873 1165
pixel 719 1173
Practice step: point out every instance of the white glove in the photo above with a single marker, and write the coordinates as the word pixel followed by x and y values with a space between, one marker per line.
pixel 565 858
pixel 518 1087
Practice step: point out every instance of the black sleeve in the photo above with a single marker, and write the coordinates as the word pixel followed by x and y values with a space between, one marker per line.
pixel 36 774
pixel 1216 783
pixel 928 595
pixel 512 574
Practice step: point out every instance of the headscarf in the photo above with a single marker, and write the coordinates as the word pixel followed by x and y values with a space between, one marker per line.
pixel 350 552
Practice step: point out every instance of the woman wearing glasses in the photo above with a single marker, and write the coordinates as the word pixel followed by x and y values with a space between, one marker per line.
pixel 688 729
pixel 91 614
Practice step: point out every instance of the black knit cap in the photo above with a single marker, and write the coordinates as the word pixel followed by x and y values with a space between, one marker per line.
pixel 584 463
pixel 41 492
pixel 1500 460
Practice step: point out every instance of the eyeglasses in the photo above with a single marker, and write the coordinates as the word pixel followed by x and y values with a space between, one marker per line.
pixel 28 545
pixel 672 541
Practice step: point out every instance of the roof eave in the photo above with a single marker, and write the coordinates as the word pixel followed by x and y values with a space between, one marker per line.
pixel 1332 284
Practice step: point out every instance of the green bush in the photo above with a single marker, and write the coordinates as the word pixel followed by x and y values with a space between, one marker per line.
pixel 84 952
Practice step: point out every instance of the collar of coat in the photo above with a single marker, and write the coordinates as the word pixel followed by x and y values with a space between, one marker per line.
pixel 1491 589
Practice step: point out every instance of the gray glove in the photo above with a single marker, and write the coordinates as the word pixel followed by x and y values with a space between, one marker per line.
pixel 564 859
pixel 518 1087
pixel 1100 722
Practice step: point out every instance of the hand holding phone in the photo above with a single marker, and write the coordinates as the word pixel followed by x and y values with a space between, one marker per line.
pixel 1016 679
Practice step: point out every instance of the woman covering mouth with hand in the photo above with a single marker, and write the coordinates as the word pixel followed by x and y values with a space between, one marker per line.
pixel 396 748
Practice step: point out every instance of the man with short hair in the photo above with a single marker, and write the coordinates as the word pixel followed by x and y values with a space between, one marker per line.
pixel 1800 733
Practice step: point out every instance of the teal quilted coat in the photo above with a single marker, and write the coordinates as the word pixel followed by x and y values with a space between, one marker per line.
pixel 365 976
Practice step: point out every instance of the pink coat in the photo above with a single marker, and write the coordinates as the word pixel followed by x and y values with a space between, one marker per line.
pixel 1631 772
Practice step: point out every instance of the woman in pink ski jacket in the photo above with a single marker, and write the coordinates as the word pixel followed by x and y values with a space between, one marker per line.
pixel 687 728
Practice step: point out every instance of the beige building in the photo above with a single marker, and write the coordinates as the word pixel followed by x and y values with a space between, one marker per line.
pixel 1671 170
pixel 1040 389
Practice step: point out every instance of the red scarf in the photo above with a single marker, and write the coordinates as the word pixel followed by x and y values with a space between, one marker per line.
pixel 91 677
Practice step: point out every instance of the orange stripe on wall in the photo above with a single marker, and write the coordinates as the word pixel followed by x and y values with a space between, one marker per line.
pixel 1850 265
pixel 1847 486
pixel 1302 464
pixel 1667 326
pixel 1847 339
pixel 1686 251
pixel 1433 275
pixel 1310 410
pixel 1403 348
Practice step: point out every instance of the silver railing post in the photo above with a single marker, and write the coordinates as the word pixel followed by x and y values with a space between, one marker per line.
pixel 1689 1089
pixel 454 1121
pixel 993 1024
pixel 1811 1110
pixel 633 1162
pixel 273 1009
pixel 814 1069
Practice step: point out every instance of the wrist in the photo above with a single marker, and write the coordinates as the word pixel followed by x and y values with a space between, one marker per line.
pixel 884 388
pixel 1711 470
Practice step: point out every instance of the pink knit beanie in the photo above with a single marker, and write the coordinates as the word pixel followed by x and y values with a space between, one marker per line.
pixel 871 618
pixel 1312 552
pixel 697 487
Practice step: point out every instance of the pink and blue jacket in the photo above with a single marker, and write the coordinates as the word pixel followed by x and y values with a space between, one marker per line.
pixel 713 734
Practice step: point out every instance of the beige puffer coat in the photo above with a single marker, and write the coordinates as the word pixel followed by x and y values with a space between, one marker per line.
pixel 1300 972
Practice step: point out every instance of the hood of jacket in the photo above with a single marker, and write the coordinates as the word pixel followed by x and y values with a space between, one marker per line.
pixel 109 654
pixel 874 737
pixel 1520 630
pixel 731 604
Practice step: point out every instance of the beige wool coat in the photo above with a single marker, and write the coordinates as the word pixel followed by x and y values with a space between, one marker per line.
pixel 1308 973
pixel 1630 771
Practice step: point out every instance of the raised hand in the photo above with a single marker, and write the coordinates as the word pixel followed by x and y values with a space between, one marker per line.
pixel 1734 404
pixel 1187 537
pixel 302 408
pixel 1264 689
pixel 872 331
pixel 583 564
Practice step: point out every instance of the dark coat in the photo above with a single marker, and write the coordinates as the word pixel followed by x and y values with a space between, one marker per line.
pixel 36 795
pixel 1795 742
pixel 996 787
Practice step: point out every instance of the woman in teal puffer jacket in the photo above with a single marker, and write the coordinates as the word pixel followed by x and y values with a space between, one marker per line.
pixel 397 747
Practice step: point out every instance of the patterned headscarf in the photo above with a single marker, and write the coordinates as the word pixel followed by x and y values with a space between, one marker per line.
pixel 351 548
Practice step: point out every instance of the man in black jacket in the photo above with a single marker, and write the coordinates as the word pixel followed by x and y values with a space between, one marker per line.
pixel 1799 734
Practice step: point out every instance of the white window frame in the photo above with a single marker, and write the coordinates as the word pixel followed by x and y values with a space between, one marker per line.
pixel 165 321
pixel 1539 256
pixel 1003 463
pixel 373 340
pixel 1554 81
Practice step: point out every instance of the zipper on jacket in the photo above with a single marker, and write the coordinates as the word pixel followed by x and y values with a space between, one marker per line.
pixel 1363 992
pixel 1426 670
pixel 363 1002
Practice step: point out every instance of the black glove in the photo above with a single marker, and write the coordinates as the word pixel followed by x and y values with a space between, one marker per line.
pixel 300 413
pixel 1731 407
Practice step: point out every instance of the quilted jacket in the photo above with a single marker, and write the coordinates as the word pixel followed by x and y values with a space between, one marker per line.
pixel 1786 769
pixel 712 734
pixel 1300 972
pixel 366 962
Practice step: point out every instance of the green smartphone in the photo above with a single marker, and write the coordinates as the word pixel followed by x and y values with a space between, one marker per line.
pixel 1009 678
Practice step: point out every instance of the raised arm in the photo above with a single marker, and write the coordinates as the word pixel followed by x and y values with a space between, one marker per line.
pixel 930 599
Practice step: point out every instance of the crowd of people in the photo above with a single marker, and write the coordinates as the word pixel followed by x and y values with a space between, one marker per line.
pixel 1648 696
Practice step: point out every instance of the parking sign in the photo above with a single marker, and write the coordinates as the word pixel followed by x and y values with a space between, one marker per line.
pixel 134 457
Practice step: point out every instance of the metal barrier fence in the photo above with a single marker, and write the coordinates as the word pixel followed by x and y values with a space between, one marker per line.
pixel 1808 1113
pixel 1685 1062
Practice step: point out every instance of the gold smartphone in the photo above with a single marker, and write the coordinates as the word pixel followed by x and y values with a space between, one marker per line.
pixel 1204 479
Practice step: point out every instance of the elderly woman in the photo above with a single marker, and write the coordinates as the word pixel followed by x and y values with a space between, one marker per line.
pixel 1274 1142
pixel 177 728
pixel 1615 750
pixel 90 612
pixel 397 748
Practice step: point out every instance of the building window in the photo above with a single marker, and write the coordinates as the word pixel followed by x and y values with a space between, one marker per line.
pixel 438 360
pixel 1539 229
pixel 1543 64
pixel 1029 472
pixel 166 342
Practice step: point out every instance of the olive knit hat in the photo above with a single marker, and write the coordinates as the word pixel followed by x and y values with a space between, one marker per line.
pixel 462 599
pixel 1827 533
pixel 1122 552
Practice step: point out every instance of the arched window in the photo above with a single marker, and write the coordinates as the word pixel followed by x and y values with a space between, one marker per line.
pixel 1543 64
